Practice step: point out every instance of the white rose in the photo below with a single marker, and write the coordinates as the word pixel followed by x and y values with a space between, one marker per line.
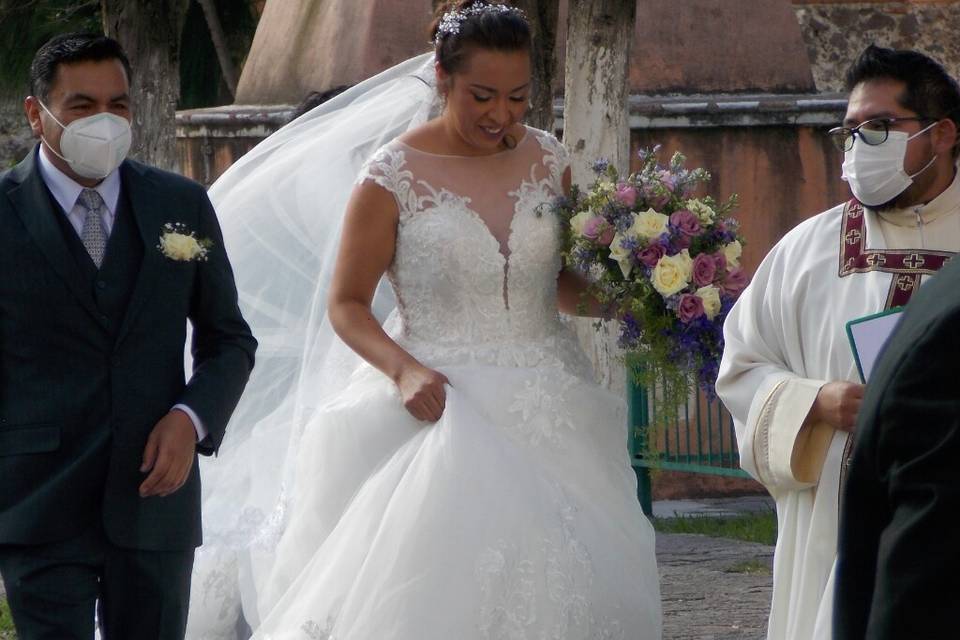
pixel 649 224
pixel 578 222
pixel 702 210
pixel 732 253
pixel 179 246
pixel 672 274
pixel 621 255
pixel 711 300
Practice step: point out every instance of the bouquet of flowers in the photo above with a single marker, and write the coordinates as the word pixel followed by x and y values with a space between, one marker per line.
pixel 666 263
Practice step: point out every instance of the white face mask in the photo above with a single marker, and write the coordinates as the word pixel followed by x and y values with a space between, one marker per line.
pixel 93 146
pixel 875 172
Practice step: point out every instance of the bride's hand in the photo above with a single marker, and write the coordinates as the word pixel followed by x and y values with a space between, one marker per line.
pixel 422 392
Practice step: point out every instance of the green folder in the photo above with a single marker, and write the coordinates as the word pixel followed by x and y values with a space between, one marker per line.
pixel 868 335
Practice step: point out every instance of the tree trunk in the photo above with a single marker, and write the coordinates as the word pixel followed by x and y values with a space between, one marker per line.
pixel 595 116
pixel 150 35
pixel 220 45
pixel 596 124
pixel 543 15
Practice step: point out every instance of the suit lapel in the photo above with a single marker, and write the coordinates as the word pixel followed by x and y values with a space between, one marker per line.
pixel 144 199
pixel 32 203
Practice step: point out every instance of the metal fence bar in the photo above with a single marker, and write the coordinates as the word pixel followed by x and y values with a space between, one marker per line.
pixel 705 426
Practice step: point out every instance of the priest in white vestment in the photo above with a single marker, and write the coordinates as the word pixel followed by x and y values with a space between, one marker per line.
pixel 788 375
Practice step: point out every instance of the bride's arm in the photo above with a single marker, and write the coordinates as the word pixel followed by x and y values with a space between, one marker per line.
pixel 366 250
pixel 573 297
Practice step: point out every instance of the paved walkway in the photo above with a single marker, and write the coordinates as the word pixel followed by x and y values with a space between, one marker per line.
pixel 713 588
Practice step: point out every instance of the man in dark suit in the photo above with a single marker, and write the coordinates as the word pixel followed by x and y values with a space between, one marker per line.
pixel 899 552
pixel 102 263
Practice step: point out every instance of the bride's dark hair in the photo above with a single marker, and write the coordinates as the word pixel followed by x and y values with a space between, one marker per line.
pixel 496 30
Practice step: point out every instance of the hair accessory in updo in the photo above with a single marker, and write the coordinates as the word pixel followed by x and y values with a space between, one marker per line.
pixel 451 20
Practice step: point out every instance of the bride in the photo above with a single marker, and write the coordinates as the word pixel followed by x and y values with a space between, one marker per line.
pixel 452 472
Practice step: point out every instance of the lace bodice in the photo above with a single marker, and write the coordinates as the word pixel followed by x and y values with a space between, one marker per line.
pixel 478 248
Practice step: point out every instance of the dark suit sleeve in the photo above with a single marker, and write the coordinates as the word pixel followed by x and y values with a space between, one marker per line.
pixel 918 462
pixel 223 347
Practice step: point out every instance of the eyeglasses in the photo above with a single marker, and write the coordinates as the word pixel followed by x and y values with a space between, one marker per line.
pixel 872 132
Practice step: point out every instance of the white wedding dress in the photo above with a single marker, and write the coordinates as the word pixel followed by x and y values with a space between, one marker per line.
pixel 515 515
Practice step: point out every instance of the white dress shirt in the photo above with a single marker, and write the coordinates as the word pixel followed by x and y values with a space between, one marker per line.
pixel 66 192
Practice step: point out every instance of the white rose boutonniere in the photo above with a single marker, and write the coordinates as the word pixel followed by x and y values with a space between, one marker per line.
pixel 180 244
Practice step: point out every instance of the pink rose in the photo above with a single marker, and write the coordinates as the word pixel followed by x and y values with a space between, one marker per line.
pixel 650 255
pixel 593 227
pixel 690 308
pixel 720 261
pixel 656 198
pixel 686 222
pixel 627 194
pixel 606 237
pixel 599 230
pixel 735 282
pixel 704 269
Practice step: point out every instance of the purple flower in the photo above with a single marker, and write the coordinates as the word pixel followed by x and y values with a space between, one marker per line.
pixel 668 179
pixel 630 332
pixel 678 242
pixel 600 166
pixel 656 196
pixel 685 222
pixel 690 308
pixel 720 260
pixel 704 269
pixel 650 255
pixel 735 282
pixel 623 223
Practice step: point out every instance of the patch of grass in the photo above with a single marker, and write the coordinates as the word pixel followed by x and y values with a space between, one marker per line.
pixel 753 527
pixel 6 622
pixel 753 567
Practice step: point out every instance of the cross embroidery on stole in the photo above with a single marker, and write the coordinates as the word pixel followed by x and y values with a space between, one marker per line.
pixel 908 266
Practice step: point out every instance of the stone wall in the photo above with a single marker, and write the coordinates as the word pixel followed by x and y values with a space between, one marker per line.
pixel 836 31
pixel 15 137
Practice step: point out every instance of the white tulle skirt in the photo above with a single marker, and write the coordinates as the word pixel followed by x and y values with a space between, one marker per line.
pixel 514 516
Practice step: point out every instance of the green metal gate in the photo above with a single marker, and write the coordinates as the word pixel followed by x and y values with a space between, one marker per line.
pixel 700 439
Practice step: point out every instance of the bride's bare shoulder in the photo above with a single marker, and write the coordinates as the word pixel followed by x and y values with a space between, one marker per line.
pixel 425 137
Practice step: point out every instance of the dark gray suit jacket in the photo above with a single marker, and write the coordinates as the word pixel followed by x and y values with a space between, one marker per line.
pixel 899 545
pixel 90 361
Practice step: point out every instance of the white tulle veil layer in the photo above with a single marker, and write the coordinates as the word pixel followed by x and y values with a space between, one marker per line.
pixel 281 208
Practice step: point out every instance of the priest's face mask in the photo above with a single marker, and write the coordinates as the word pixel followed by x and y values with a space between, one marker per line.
pixel 890 152
pixel 487 99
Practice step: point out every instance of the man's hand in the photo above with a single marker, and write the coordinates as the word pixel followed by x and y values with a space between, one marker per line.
pixel 168 455
pixel 837 404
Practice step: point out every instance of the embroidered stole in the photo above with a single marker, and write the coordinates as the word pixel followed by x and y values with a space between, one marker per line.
pixel 908 266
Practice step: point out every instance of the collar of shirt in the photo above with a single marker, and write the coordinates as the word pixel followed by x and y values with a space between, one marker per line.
pixel 66 191
pixel 944 204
